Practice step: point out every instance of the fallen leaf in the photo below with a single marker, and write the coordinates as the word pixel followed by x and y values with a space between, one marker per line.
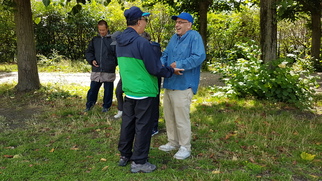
pixel 314 176
pixel 164 167
pixel 17 156
pixel 234 158
pixel 74 147
pixel 105 168
pixel 8 156
pixel 9 147
pixel 307 156
pixel 103 159
pixel 52 150
pixel 252 160
pixel 215 172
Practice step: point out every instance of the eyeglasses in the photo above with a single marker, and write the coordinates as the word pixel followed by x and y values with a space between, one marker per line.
pixel 146 19
pixel 181 22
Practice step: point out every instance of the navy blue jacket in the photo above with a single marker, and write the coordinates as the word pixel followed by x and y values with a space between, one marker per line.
pixel 101 50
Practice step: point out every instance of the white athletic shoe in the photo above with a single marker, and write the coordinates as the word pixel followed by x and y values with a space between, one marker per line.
pixel 167 147
pixel 182 154
pixel 118 115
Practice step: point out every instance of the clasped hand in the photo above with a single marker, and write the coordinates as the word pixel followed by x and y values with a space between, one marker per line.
pixel 178 71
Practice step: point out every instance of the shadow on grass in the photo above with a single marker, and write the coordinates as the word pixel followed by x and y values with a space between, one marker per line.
pixel 18 107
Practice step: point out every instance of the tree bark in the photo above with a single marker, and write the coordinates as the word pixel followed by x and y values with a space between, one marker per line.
pixel 203 9
pixel 316 35
pixel 268 27
pixel 28 78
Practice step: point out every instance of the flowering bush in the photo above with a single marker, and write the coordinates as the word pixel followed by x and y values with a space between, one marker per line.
pixel 286 79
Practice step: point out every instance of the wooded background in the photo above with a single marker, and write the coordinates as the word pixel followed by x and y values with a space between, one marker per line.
pixel 279 27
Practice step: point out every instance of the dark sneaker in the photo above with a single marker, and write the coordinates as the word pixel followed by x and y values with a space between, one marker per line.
pixel 104 109
pixel 87 109
pixel 123 161
pixel 145 168
pixel 154 132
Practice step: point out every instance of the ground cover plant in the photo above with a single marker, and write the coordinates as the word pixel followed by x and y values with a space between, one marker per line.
pixel 45 135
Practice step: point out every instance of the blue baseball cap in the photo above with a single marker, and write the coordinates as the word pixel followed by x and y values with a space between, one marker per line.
pixel 134 13
pixel 185 16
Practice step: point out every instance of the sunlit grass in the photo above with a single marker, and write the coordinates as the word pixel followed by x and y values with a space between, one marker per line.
pixel 66 66
pixel 233 139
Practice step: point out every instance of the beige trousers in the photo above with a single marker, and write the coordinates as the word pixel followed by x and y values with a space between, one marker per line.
pixel 176 108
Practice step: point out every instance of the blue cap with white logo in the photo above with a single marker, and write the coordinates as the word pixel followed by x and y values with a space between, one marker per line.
pixel 185 16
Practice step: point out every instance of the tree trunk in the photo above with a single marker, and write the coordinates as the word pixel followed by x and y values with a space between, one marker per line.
pixel 268 27
pixel 28 78
pixel 316 36
pixel 203 9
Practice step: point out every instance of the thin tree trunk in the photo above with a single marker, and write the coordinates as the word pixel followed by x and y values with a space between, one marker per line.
pixel 316 36
pixel 203 9
pixel 268 27
pixel 28 78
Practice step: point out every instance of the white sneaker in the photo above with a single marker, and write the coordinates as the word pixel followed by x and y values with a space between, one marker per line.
pixel 182 154
pixel 167 147
pixel 118 115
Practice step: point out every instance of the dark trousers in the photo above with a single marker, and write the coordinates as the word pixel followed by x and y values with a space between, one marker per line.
pixel 136 128
pixel 156 113
pixel 93 93
pixel 119 95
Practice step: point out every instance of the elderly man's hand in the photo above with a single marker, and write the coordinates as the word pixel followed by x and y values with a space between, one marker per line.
pixel 178 71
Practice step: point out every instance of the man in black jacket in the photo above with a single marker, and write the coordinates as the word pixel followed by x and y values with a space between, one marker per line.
pixel 101 55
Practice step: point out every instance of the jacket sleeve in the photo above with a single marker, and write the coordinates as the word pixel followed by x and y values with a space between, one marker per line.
pixel 197 54
pixel 90 52
pixel 152 61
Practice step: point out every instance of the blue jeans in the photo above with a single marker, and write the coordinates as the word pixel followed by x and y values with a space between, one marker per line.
pixel 93 93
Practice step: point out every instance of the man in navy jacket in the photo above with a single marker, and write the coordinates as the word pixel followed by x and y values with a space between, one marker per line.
pixel 101 55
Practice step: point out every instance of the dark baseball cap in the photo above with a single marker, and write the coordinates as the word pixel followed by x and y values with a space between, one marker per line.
pixel 134 13
pixel 185 16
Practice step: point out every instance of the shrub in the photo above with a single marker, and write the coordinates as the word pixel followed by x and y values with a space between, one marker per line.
pixel 287 79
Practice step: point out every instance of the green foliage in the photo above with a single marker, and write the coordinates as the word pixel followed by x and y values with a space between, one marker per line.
pixel 7 36
pixel 160 25
pixel 65 32
pixel 293 37
pixel 58 28
pixel 286 79
pixel 225 30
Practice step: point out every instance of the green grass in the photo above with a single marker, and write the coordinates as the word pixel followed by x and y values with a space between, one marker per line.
pixel 233 139
pixel 48 65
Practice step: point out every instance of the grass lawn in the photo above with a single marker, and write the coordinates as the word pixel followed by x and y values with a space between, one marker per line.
pixel 45 135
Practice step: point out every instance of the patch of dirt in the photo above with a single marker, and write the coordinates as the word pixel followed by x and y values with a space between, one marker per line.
pixel 210 79
pixel 16 118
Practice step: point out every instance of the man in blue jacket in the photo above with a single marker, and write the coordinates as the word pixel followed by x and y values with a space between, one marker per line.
pixel 185 50
pixel 139 68
pixel 101 55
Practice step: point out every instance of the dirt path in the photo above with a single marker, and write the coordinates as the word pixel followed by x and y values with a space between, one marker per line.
pixel 206 79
